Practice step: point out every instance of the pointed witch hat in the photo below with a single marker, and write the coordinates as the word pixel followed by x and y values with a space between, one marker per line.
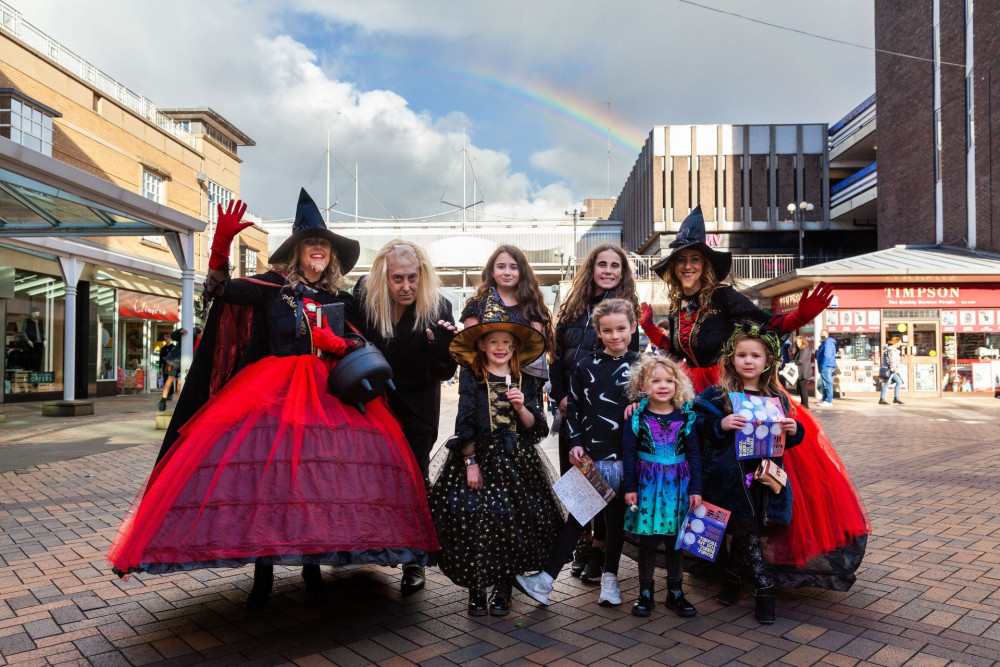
pixel 691 236
pixel 309 223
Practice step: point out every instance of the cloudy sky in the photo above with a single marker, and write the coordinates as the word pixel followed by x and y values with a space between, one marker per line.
pixel 396 81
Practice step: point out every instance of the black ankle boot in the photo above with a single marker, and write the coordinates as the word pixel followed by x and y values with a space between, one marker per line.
pixel 595 566
pixel 581 554
pixel 764 606
pixel 477 602
pixel 644 606
pixel 676 601
pixel 313 578
pixel 263 581
pixel 500 600
pixel 731 585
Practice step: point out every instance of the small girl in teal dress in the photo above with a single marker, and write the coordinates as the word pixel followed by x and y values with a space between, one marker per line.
pixel 662 470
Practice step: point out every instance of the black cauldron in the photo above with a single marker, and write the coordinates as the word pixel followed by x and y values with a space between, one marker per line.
pixel 361 376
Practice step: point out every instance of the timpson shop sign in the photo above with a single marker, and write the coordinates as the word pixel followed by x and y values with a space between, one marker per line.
pixel 964 307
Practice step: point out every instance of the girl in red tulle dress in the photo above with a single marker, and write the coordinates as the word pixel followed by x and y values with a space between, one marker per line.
pixel 265 465
pixel 826 543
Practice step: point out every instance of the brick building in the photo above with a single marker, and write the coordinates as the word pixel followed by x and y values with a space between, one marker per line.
pixel 744 177
pixel 81 128
pixel 937 152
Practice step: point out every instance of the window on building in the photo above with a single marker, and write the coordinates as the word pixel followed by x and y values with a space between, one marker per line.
pixel 153 188
pixel 217 195
pixel 25 121
pixel 248 261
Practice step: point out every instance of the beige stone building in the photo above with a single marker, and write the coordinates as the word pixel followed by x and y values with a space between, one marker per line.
pixel 105 201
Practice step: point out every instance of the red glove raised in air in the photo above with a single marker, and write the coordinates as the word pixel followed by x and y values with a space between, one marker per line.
pixel 810 305
pixel 653 332
pixel 226 229
pixel 326 340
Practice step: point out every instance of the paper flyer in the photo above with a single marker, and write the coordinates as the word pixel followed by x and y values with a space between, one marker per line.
pixel 762 436
pixel 703 530
pixel 583 490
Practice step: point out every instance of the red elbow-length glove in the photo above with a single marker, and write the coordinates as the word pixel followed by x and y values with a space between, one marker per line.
pixel 228 226
pixel 810 305
pixel 653 332
pixel 326 340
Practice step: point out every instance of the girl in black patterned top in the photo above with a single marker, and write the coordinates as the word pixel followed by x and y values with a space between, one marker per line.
pixel 492 504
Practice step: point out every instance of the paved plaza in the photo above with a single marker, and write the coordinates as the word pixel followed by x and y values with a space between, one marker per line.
pixel 928 592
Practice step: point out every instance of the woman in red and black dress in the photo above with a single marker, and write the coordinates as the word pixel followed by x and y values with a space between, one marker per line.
pixel 826 541
pixel 265 466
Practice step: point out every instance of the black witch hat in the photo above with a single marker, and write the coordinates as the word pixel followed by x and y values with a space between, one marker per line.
pixel 309 223
pixel 691 236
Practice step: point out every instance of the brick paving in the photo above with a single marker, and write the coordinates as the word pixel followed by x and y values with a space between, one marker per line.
pixel 928 592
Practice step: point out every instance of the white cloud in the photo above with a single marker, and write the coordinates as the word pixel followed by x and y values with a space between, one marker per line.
pixel 658 61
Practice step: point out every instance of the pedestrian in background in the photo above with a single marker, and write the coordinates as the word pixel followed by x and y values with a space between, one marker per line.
pixel 803 360
pixel 889 371
pixel 826 359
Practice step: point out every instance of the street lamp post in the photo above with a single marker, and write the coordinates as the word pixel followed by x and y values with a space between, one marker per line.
pixel 798 212
pixel 576 212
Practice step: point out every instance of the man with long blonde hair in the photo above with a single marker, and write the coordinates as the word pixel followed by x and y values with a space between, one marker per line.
pixel 406 318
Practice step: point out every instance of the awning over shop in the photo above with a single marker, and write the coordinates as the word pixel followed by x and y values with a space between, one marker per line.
pixel 900 264
pixel 48 207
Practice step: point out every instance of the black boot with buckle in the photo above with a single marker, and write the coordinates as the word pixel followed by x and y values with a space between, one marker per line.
pixel 595 566
pixel 731 587
pixel 676 601
pixel 644 606
pixel 581 554
pixel 500 600
pixel 477 602
pixel 764 606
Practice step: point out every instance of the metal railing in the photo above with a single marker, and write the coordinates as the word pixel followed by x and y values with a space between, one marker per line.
pixel 11 21
pixel 745 267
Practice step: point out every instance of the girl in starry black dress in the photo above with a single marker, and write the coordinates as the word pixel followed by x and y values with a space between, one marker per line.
pixel 492 504
pixel 662 467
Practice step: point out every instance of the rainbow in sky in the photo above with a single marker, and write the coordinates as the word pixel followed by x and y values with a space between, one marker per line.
pixel 588 116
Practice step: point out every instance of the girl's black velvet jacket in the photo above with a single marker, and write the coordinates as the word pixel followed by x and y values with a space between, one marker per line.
pixel 574 341
pixel 472 423
pixel 724 476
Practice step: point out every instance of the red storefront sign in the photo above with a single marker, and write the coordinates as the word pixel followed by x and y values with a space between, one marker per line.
pixel 148 306
pixel 964 307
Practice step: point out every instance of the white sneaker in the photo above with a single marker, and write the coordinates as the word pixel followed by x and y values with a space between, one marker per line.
pixel 534 586
pixel 610 595
pixel 825 404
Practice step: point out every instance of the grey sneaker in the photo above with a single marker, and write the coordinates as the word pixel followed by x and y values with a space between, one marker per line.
pixel 610 595
pixel 534 586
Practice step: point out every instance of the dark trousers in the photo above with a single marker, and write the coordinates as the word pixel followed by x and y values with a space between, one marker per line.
pixel 614 520
pixel 746 558
pixel 803 387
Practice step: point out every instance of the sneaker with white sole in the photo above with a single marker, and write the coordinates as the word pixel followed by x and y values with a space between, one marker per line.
pixel 610 595
pixel 534 586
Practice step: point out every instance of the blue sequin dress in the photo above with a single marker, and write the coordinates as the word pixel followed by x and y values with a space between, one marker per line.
pixel 662 465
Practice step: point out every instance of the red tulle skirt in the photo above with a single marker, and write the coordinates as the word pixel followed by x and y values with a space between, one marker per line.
pixel 827 512
pixel 275 466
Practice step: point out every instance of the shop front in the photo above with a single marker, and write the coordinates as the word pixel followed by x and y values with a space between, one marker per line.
pixel 946 317
pixel 144 322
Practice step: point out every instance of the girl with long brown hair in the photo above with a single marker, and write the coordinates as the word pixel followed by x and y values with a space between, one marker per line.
pixel 605 274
